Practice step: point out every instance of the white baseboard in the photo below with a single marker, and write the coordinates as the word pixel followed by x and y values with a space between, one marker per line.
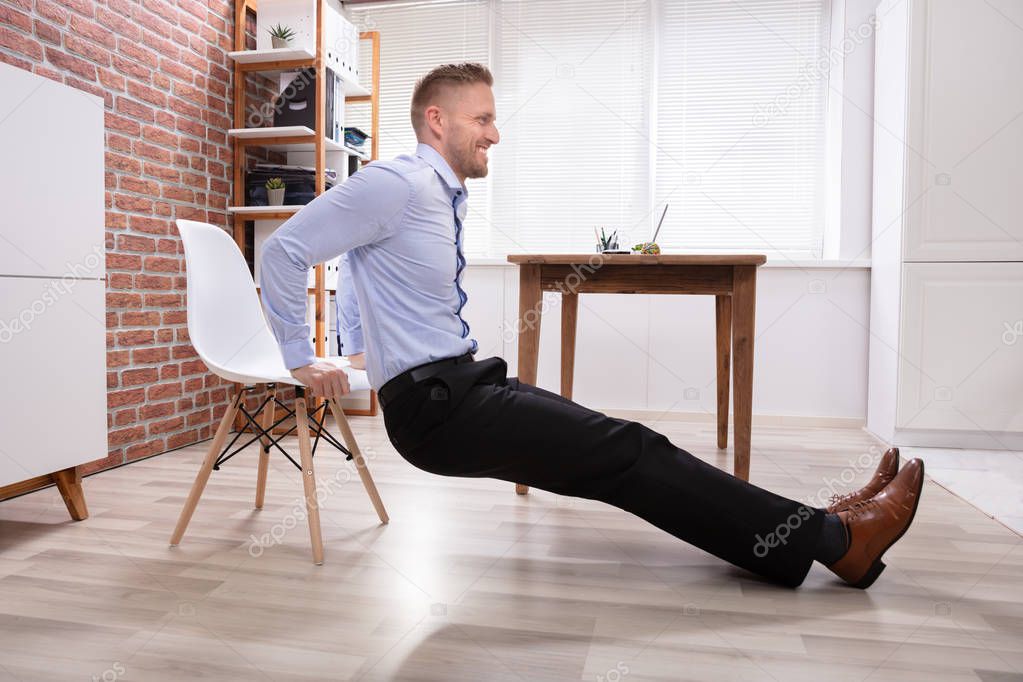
pixel 963 440
pixel 758 419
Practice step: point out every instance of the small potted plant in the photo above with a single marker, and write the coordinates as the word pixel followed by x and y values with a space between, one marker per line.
pixel 280 36
pixel 275 191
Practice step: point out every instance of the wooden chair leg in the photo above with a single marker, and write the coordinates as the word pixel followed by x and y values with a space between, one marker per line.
pixel 312 504
pixel 207 466
pixel 360 461
pixel 264 454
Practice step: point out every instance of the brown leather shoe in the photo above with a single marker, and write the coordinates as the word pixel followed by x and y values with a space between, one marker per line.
pixel 876 524
pixel 886 471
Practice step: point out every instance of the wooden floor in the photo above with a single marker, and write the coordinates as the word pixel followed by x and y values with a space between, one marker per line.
pixel 471 582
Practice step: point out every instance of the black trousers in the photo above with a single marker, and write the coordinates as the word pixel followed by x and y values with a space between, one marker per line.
pixel 471 420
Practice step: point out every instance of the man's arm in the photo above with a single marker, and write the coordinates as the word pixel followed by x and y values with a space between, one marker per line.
pixel 362 210
pixel 353 345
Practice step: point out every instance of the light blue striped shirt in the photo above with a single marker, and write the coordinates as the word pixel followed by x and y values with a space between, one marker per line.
pixel 399 223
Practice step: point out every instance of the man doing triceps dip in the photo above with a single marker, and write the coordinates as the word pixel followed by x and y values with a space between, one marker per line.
pixel 399 224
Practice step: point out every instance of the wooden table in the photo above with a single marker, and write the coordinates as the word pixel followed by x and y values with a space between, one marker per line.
pixel 731 279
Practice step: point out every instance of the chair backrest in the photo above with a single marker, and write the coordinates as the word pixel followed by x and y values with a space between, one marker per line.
pixel 226 324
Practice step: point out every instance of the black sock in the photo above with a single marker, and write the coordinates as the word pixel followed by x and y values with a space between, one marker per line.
pixel 833 542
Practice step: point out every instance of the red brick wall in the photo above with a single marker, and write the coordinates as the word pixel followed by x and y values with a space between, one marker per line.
pixel 161 69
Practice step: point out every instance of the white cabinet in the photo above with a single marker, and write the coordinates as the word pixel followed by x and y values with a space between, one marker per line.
pixel 946 349
pixel 53 412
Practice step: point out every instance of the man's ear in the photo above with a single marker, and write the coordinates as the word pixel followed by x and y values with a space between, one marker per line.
pixel 434 117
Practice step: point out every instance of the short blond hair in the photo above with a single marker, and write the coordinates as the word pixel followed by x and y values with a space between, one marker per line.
pixel 446 75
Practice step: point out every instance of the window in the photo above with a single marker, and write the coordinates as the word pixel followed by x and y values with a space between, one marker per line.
pixel 608 110
pixel 572 99
pixel 740 125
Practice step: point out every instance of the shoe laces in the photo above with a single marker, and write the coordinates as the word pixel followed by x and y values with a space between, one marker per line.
pixel 838 499
pixel 861 507
pixel 864 506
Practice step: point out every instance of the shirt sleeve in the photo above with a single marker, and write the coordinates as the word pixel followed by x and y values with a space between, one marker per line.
pixel 348 311
pixel 362 210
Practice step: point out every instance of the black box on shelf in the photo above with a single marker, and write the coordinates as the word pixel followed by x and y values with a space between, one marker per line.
pixel 296 105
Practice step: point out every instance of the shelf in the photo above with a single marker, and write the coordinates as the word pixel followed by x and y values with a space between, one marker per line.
pixel 265 212
pixel 352 87
pixel 311 290
pixel 290 138
pixel 269 62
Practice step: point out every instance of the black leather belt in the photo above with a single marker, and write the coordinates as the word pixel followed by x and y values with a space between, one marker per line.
pixel 404 381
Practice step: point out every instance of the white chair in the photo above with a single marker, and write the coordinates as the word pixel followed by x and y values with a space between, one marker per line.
pixel 229 332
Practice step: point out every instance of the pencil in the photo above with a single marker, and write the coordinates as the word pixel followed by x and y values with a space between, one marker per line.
pixel 659 223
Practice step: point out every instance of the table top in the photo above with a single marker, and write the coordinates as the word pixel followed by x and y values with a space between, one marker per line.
pixel 635 259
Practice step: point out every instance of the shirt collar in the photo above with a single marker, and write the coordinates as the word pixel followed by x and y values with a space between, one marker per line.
pixel 433 157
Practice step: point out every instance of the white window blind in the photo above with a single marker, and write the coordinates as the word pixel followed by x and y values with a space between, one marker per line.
pixel 414 38
pixel 740 124
pixel 572 102
pixel 609 109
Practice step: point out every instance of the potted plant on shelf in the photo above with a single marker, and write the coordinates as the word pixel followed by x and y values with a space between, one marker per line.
pixel 275 192
pixel 280 36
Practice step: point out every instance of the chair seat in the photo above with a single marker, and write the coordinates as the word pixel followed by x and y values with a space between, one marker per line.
pixel 358 380
pixel 276 373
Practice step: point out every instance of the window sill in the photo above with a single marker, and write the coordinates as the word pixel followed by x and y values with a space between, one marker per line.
pixel 826 264
pixel 772 262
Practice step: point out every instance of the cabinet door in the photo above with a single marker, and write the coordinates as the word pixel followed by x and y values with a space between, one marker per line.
pixel 52 178
pixel 966 133
pixel 53 408
pixel 961 361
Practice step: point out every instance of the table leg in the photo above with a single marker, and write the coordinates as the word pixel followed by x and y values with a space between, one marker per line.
pixel 569 315
pixel 530 306
pixel 744 294
pixel 723 320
